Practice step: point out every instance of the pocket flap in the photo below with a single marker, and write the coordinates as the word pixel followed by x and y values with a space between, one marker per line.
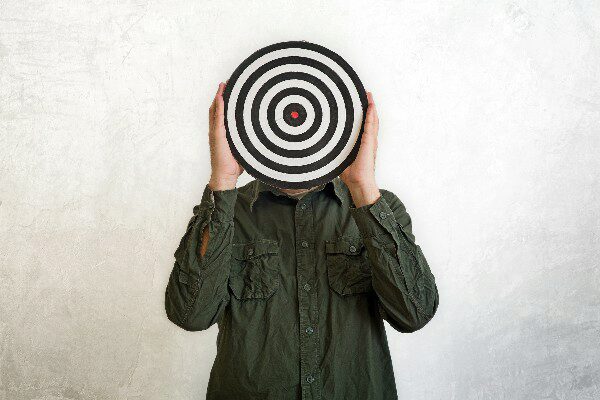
pixel 345 245
pixel 260 247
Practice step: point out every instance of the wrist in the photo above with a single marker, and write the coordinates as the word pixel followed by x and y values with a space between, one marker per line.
pixel 217 183
pixel 364 194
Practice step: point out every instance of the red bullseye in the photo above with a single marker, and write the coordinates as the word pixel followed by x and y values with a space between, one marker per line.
pixel 294 114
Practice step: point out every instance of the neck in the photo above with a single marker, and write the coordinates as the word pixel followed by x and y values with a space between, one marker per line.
pixel 296 191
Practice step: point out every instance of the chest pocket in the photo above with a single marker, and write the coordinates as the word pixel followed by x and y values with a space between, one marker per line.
pixel 348 266
pixel 255 269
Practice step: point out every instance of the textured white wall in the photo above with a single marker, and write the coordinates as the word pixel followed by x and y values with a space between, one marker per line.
pixel 490 134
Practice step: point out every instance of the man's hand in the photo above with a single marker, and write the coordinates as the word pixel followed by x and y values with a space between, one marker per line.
pixel 360 175
pixel 225 168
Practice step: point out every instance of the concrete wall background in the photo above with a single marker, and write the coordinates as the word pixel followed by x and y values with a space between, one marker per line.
pixel 490 134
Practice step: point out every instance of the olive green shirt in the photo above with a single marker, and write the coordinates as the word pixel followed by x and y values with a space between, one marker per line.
pixel 299 290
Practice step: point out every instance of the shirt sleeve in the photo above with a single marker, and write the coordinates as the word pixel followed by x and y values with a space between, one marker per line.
pixel 197 293
pixel 402 279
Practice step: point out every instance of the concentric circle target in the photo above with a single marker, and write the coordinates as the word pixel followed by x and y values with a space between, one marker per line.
pixel 294 114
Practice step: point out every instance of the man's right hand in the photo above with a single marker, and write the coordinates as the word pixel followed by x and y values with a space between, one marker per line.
pixel 225 168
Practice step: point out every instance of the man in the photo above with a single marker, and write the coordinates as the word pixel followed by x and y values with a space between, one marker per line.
pixel 299 282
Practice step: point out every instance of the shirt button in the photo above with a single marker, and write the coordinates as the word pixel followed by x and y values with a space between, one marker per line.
pixel 307 287
pixel 309 330
pixel 352 249
pixel 310 379
pixel 250 251
pixel 382 215
pixel 304 244
pixel 303 206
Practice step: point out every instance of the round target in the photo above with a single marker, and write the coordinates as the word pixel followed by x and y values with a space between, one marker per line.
pixel 294 114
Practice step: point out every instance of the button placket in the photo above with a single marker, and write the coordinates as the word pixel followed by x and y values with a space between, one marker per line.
pixel 307 297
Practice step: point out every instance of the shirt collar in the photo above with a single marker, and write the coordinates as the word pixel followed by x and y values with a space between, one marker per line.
pixel 335 187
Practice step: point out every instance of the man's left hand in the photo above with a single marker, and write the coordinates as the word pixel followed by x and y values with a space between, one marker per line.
pixel 360 175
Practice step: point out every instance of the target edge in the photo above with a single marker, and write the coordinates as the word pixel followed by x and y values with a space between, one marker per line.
pixel 351 74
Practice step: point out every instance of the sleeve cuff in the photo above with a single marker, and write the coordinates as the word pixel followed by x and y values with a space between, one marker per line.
pixel 374 219
pixel 220 203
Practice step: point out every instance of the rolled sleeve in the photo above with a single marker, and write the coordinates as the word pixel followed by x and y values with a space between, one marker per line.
pixel 197 291
pixel 219 203
pixel 374 219
pixel 401 275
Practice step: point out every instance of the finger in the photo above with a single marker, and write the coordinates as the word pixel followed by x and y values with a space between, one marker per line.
pixel 219 93
pixel 371 119
pixel 220 106
pixel 371 109
pixel 212 105
pixel 370 98
pixel 211 122
pixel 220 89
pixel 211 109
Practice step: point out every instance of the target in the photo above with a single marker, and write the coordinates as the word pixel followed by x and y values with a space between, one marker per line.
pixel 294 114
